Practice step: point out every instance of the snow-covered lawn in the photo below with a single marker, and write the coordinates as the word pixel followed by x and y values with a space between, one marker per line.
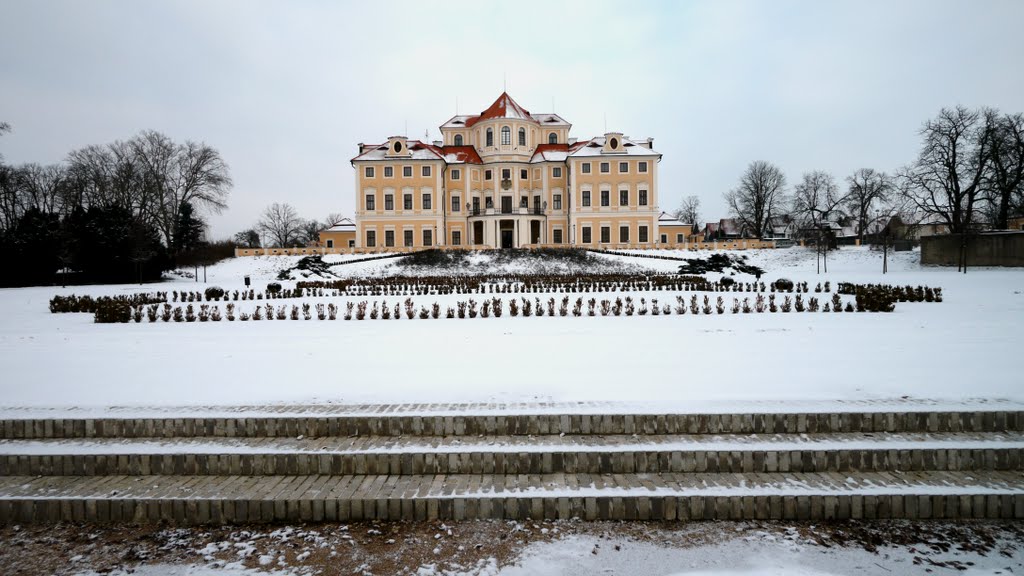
pixel 968 346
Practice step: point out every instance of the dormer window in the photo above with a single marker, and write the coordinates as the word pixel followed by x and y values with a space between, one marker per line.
pixel 506 135
pixel 398 147
pixel 458 139
pixel 553 138
pixel 490 137
pixel 522 136
pixel 613 143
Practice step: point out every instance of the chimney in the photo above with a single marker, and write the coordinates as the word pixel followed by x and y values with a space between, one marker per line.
pixel 438 143
pixel 650 144
pixel 362 147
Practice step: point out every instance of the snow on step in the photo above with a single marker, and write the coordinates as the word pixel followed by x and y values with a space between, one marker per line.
pixel 517 444
pixel 191 499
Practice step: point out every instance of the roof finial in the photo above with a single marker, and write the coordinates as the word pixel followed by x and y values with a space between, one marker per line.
pixel 504 82
pixel 605 122
pixel 456 105
pixel 405 132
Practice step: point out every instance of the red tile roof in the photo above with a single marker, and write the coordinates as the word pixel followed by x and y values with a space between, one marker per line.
pixel 467 154
pixel 503 107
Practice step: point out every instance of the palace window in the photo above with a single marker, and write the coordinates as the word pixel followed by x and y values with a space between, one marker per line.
pixel 641 166
pixel 407 237
pixel 456 174
pixel 371 202
pixel 679 238
pixel 642 234
pixel 487 174
pixel 407 171
pixel 368 172
pixel 407 202
pixel 605 200
pixel 506 135
pixel 606 234
pixel 524 174
pixel 330 243
pixel 456 237
pixel 389 238
pixel 458 139
pixel 605 168
pixel 586 235
pixel 585 167
pixel 426 201
pixel 455 203
pixel 425 171
pixel 585 197
pixel 623 197
pixel 664 239
pixel 556 202
pixel 552 138
pixel 428 237
pixel 642 200
pixel 623 167
pixel 556 235
pixel 506 174
pixel 371 238
pixel 623 234
pixel 490 137
pixel 522 136
pixel 389 202
pixel 389 171
pixel 556 172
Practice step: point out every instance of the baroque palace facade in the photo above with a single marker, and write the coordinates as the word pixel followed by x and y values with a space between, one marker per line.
pixel 506 178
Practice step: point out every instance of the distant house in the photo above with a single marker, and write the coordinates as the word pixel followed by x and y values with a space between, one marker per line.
pixel 781 227
pixel 341 235
pixel 674 232
pixel 1015 223
pixel 930 226
pixel 724 229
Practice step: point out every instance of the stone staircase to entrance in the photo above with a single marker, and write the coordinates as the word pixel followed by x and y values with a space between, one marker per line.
pixel 462 462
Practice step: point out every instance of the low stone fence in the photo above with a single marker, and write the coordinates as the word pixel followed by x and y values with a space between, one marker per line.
pixel 986 249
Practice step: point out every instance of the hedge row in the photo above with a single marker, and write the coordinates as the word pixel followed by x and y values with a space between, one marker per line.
pixel 487 307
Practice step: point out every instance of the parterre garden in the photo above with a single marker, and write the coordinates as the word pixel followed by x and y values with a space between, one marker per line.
pixel 520 294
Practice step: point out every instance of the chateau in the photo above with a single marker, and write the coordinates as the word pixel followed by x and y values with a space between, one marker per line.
pixel 506 178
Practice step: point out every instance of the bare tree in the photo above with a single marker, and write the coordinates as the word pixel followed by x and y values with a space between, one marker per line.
pixel 688 211
pixel 946 180
pixel 816 201
pixel 4 128
pixel 311 232
pixel 868 190
pixel 1004 182
pixel 44 187
pixel 333 219
pixel 761 194
pixel 248 238
pixel 12 186
pixel 282 225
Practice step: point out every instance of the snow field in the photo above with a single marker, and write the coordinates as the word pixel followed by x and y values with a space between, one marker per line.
pixel 966 346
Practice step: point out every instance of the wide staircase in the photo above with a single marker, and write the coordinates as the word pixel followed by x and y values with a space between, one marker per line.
pixel 312 464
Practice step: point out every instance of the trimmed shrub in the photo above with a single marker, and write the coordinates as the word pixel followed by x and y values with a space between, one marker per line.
pixel 214 293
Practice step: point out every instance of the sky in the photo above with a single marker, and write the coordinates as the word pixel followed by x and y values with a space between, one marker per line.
pixel 286 90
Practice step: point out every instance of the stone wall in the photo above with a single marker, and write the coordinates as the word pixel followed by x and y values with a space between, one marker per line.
pixel 987 249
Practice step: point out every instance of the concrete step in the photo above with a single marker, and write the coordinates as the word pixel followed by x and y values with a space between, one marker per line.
pixel 496 421
pixel 591 454
pixel 238 499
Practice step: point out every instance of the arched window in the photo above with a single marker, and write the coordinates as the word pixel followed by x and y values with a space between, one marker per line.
pixel 522 136
pixel 458 139
pixel 552 138
pixel 490 137
pixel 506 135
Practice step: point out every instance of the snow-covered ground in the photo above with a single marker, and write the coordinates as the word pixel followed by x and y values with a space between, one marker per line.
pixel 965 347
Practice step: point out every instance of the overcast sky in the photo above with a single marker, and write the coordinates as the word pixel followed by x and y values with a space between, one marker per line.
pixel 286 90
